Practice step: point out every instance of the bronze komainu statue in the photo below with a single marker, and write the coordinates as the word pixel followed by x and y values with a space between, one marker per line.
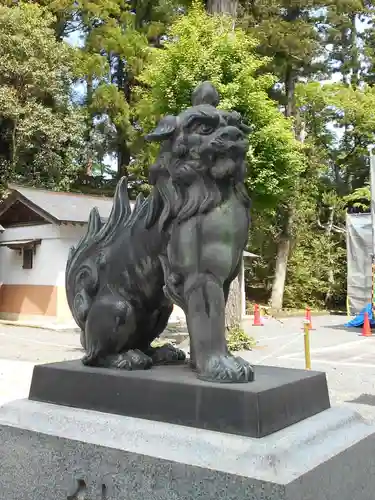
pixel 183 244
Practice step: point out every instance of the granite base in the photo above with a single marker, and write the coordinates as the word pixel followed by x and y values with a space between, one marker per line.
pixel 61 453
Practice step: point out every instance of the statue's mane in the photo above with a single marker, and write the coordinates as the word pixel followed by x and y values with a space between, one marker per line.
pixel 190 192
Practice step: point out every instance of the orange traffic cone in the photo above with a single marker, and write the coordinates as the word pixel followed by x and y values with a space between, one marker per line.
pixel 366 329
pixel 257 321
pixel 308 317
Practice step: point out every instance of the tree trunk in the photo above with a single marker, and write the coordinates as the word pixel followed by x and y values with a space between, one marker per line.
pixel 283 250
pixel 285 241
pixel 222 7
pixel 354 53
pixel 290 87
pixel 233 313
pixel 14 146
pixel 123 152
pixel 123 160
pixel 331 274
pixel 89 126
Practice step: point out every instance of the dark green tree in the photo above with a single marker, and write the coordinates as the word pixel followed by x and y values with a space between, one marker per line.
pixel 116 37
pixel 289 33
pixel 203 47
pixel 41 131
pixel 347 25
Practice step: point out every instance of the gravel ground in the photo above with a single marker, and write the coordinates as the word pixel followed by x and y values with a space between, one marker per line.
pixel 347 358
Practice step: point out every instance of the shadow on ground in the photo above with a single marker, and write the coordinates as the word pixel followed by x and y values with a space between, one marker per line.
pixel 343 328
pixel 364 399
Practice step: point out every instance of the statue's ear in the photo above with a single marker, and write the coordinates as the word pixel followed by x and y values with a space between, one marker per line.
pixel 165 128
pixel 236 117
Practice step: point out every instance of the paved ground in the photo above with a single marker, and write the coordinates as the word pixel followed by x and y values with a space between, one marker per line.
pixel 21 348
pixel 348 359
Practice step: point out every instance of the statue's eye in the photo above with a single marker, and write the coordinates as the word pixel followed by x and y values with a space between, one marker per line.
pixel 205 129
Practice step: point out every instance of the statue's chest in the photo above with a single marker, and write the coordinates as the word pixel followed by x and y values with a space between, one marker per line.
pixel 228 221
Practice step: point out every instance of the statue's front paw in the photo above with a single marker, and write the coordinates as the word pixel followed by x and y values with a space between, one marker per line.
pixel 226 369
pixel 132 360
pixel 167 354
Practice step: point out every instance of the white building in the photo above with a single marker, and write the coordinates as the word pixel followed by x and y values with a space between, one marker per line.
pixel 37 229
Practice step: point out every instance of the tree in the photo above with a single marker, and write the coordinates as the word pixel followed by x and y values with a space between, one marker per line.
pixel 41 131
pixel 115 37
pixel 340 126
pixel 203 47
pixel 368 38
pixel 317 265
pixel 233 311
pixel 288 33
pixel 220 7
pixel 344 34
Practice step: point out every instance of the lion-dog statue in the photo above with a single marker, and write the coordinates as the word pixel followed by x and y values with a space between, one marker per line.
pixel 181 245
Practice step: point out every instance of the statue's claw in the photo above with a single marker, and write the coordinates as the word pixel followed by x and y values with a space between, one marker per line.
pixel 129 360
pixel 166 355
pixel 133 360
pixel 226 369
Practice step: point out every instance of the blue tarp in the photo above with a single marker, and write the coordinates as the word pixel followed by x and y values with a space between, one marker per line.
pixel 360 318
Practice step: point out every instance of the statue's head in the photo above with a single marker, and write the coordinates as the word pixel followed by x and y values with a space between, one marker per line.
pixel 203 140
pixel 202 146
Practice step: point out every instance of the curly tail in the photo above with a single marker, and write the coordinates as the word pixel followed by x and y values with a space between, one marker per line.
pixel 85 260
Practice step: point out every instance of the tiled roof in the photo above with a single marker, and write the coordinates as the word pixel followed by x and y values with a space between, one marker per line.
pixel 64 207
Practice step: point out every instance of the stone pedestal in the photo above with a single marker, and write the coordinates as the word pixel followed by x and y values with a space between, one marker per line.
pixel 90 433
pixel 278 397
pixel 51 452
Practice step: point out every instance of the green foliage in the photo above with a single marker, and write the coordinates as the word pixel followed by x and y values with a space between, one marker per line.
pixel 290 34
pixel 202 47
pixel 340 127
pixel 116 36
pixel 317 265
pixel 239 340
pixel 359 198
pixel 41 132
pixel 343 20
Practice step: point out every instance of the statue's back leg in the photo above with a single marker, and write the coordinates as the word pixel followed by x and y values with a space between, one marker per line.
pixel 109 330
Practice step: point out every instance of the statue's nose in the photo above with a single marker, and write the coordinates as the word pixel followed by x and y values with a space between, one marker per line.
pixel 231 133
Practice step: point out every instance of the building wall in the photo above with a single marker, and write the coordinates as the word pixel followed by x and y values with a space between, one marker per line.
pixel 38 291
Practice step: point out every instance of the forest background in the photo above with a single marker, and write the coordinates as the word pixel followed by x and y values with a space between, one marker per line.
pixel 81 82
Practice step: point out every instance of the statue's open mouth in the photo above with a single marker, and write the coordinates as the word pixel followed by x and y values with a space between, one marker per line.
pixel 225 149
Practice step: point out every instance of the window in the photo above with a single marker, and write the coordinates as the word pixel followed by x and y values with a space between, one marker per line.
pixel 27 256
